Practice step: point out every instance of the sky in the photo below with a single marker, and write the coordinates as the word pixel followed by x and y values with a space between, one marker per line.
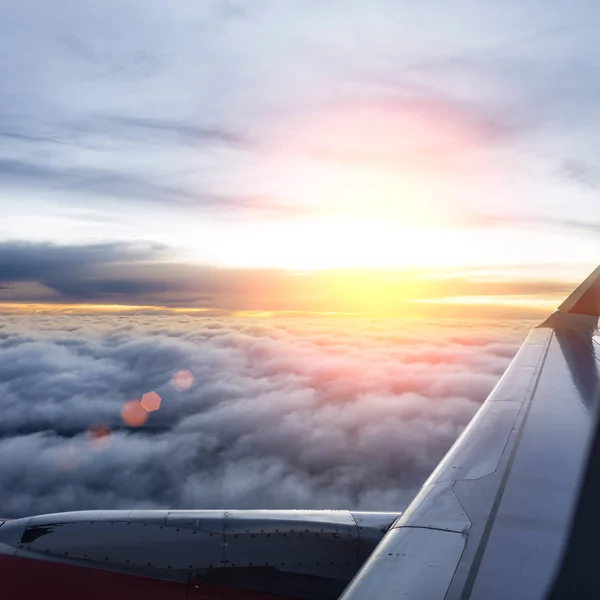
pixel 386 157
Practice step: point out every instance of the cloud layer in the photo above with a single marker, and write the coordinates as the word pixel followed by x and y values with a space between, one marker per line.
pixel 149 274
pixel 313 413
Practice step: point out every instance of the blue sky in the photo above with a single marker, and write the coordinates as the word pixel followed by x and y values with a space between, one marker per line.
pixel 299 135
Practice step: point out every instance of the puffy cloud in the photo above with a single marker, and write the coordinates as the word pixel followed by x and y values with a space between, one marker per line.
pixel 314 413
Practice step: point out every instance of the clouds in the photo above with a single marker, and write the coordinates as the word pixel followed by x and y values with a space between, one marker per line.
pixel 90 180
pixel 181 129
pixel 23 261
pixel 150 275
pixel 282 413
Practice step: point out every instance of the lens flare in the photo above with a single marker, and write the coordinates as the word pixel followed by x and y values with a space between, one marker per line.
pixel 98 436
pixel 182 380
pixel 151 401
pixel 133 413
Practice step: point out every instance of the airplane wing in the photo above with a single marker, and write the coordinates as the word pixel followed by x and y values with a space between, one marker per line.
pixel 493 521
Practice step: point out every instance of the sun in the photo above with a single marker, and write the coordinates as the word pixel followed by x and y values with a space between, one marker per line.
pixel 359 187
pixel 337 242
pixel 368 186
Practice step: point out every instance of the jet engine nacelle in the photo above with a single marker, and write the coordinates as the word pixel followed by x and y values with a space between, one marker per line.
pixel 299 554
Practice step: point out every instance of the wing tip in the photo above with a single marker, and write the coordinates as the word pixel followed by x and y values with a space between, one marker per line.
pixel 581 308
pixel 585 300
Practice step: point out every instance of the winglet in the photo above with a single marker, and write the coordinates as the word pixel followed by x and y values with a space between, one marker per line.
pixel 585 300
pixel 581 308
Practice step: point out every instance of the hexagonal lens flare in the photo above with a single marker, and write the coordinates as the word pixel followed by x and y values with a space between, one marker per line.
pixel 151 401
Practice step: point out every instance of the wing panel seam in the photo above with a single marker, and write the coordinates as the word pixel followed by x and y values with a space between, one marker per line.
pixel 473 571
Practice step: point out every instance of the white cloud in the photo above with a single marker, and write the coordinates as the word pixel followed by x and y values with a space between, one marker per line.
pixel 337 413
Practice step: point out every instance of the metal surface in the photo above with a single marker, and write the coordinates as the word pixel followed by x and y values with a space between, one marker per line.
pixel 24 579
pixel 372 527
pixel 539 487
pixel 577 576
pixel 411 563
pixel 304 554
pixel 585 300
pixel 436 507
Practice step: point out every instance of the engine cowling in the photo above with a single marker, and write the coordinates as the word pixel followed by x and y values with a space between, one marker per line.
pixel 298 554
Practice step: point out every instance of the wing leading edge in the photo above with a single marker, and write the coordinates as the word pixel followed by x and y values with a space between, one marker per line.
pixel 492 520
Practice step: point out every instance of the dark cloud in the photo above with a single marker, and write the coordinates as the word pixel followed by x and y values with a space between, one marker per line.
pixel 92 180
pixel 146 274
pixel 312 413
pixel 76 288
pixel 15 135
pixel 93 130
pixel 29 261
pixel 184 131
